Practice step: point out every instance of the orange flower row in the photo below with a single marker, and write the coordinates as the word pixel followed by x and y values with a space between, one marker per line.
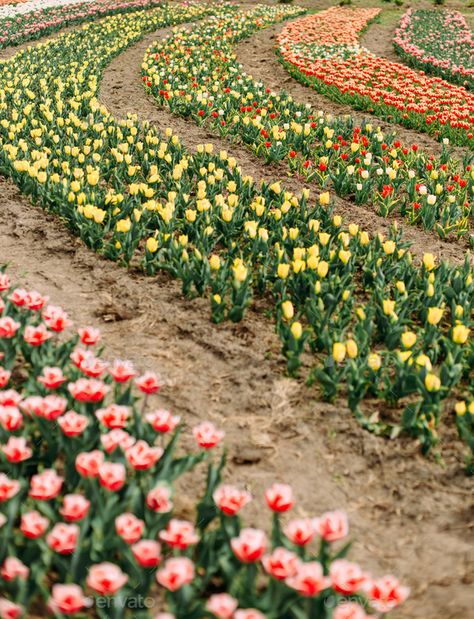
pixel 324 47
pixel 5 2
pixel 335 26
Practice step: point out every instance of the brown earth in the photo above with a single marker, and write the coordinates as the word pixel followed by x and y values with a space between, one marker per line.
pixel 409 515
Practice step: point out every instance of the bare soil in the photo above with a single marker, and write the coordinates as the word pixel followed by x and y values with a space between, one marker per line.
pixel 409 515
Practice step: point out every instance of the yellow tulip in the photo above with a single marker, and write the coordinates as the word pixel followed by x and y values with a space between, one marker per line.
pixel 338 352
pixel 460 334
pixel 152 245
pixel 296 330
pixel 344 256
pixel 401 287
pixel 434 315
pixel 324 198
pixel 408 339
pixel 388 307
pixel 215 262
pixel 276 188
pixel 352 349
pixel 374 361
pixel 283 270
pixel 240 272
pixel 429 261
pixel 287 310
pixel 432 382
pixel 123 225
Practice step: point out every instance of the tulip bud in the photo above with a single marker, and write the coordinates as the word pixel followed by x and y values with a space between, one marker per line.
pixel 374 362
pixel 297 330
pixel 287 310
pixel 352 349
pixel 432 382
pixel 429 262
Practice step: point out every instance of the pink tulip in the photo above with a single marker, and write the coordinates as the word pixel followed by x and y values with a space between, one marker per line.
pixel 13 568
pixel 281 563
pixel 89 336
pixel 158 500
pixel 386 593
pixel 16 450
pixel 112 475
pixel 147 553
pixel 250 545
pixel 279 497
pixel 230 500
pixel 106 578
pixel 332 526
pixel 148 383
pixel 222 605
pixel 114 416
pixel 63 538
pixel 207 435
pixel 33 524
pixel 52 378
pixel 75 507
pixel 142 456
pixel 300 532
pixel 46 485
pixel 129 527
pixel 162 421
pixel 89 462
pixel 346 577
pixel 176 573
pixel 179 534
pixel 115 439
pixel 67 599
pixel 309 580
pixel 9 610
pixel 73 424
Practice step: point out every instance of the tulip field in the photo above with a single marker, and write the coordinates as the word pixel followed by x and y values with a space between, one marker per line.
pixel 236 309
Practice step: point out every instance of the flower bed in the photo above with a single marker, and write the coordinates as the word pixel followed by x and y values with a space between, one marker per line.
pixel 372 84
pixel 399 330
pixel 195 74
pixel 31 25
pixel 11 3
pixel 438 42
pixel 11 9
pixel 87 474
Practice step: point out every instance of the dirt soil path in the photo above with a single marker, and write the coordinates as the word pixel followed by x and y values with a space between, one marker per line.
pixel 378 39
pixel 409 515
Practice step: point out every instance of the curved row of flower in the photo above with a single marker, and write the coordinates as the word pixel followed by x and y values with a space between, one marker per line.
pixel 399 330
pixel 10 4
pixel 11 8
pixel 195 74
pixel 87 468
pixel 373 84
pixel 438 42
pixel 34 24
